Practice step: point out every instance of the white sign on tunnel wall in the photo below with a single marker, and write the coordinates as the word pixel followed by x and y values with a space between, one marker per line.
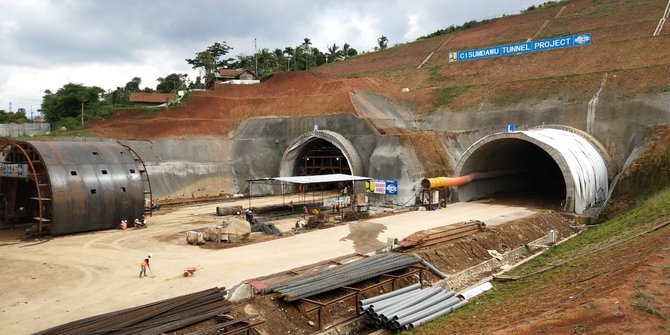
pixel 14 170
pixel 380 186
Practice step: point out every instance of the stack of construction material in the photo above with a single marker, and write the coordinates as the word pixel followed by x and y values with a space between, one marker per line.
pixel 154 318
pixel 409 307
pixel 265 228
pixel 344 275
pixel 429 237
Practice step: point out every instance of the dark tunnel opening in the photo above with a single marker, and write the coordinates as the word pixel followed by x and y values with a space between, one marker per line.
pixel 319 157
pixel 530 175
pixel 17 206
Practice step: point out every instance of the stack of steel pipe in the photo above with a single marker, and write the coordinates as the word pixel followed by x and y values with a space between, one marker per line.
pixel 344 275
pixel 409 307
pixel 154 318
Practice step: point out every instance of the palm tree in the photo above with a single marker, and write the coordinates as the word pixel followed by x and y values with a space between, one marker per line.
pixel 333 53
pixel 305 46
pixel 278 57
pixel 289 52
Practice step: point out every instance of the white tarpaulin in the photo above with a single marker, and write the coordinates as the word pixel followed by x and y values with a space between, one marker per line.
pixel 587 167
pixel 324 178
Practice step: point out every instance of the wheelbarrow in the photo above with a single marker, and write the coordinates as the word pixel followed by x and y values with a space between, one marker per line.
pixel 190 271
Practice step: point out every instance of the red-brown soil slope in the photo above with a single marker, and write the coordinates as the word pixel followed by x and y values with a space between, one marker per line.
pixel 215 112
pixel 622 47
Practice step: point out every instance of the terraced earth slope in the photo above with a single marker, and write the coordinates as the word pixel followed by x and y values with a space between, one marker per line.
pixel 622 47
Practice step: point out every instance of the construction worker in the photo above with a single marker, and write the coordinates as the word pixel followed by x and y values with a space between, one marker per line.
pixel 144 264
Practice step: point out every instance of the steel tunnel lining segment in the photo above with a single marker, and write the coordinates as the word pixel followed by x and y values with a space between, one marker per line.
pixel 586 165
pixel 581 164
pixel 76 172
pixel 340 142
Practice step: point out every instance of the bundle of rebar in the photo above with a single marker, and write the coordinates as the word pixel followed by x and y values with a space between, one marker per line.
pixel 409 307
pixel 344 275
pixel 266 228
pixel 153 318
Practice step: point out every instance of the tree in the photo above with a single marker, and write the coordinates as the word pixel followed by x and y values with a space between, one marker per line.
pixel 198 84
pixel 18 117
pixel 172 83
pixel 133 85
pixel 334 53
pixel 382 42
pixel 305 49
pixel 289 52
pixel 69 100
pixel 279 58
pixel 210 60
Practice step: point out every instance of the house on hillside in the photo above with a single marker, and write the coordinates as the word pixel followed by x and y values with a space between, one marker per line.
pixel 151 99
pixel 237 76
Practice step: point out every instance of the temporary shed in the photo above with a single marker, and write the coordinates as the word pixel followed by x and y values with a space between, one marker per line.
pixel 69 187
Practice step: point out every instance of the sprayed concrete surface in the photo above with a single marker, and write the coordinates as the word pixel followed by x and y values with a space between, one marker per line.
pixel 40 278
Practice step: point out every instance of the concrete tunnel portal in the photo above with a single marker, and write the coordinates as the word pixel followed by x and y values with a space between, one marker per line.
pixel 318 153
pixel 556 167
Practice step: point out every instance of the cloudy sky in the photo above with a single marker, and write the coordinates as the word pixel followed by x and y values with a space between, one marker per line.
pixel 47 44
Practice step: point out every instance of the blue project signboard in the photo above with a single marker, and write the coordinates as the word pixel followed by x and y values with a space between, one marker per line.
pixel 519 48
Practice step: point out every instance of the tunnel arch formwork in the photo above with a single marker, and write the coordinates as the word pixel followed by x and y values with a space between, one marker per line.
pixel 69 187
pixel 556 162
pixel 300 147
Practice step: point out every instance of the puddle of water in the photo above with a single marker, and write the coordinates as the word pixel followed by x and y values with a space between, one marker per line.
pixel 364 235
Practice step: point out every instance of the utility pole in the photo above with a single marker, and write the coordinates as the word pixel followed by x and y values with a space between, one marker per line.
pixel 31 114
pixel 82 113
pixel 256 56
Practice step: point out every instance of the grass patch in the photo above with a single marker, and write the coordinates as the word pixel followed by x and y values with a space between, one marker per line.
pixel 444 96
pixel 580 329
pixel 646 303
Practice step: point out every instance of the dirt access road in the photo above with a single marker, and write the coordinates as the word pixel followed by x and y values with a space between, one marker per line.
pixel 53 281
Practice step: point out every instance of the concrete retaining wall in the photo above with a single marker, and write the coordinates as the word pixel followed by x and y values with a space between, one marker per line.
pixel 619 125
pixel 186 169
pixel 198 168
pixel 24 129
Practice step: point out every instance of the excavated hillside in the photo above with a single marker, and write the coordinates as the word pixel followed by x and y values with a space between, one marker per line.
pixel 215 112
pixel 622 49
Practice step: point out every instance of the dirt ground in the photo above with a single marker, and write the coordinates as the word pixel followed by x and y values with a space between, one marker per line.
pixel 50 281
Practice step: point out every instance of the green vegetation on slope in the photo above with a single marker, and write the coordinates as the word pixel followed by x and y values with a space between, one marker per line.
pixel 523 296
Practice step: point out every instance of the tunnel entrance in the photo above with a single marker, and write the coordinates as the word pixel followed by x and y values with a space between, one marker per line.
pixel 318 153
pixel 518 171
pixel 550 167
pixel 319 157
